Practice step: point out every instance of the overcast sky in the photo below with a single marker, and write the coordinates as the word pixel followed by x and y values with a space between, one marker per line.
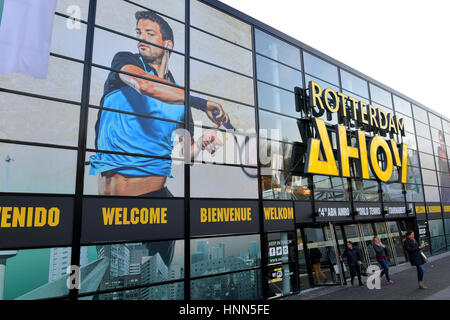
pixel 402 44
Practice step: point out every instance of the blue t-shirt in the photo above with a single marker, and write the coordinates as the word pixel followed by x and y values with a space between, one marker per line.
pixel 134 134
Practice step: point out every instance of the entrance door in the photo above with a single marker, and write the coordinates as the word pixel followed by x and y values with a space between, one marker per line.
pixel 321 247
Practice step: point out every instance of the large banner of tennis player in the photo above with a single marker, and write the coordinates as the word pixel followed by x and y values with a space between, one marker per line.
pixel 137 130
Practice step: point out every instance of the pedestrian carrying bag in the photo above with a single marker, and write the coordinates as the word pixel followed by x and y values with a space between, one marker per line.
pixel 424 257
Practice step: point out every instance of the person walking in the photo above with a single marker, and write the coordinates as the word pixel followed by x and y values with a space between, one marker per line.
pixel 381 257
pixel 354 261
pixel 315 255
pixel 416 259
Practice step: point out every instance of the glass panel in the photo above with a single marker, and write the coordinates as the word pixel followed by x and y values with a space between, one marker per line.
pixel 281 280
pixel 420 114
pixel 410 140
pixel 354 84
pixel 402 106
pixel 121 16
pixel 277 49
pixel 435 121
pixel 436 227
pixel 224 254
pixel 68 42
pixel 380 95
pixel 413 175
pixel 431 194
pixel 429 177
pixel 422 129
pixel 319 68
pixel 424 145
pixel 116 266
pixel 280 247
pixel 221 24
pixel 116 52
pixel 174 291
pixel 34 274
pixel 278 128
pixel 122 175
pixel 276 100
pixel 409 124
pixel 235 182
pixel 38 120
pixel 278 74
pixel 218 82
pixel 63 5
pixel 365 190
pixel 324 85
pixel 392 192
pixel 173 8
pixel 427 161
pixel 280 185
pixel 236 286
pixel 63 85
pixel 330 188
pixel 438 245
pixel 368 234
pixel 414 193
pixel 447 225
pixel 37 169
pixel 397 238
pixel 220 52
pixel 445 193
pixel 302 267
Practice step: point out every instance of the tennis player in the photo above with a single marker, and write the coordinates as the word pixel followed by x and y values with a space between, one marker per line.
pixel 125 175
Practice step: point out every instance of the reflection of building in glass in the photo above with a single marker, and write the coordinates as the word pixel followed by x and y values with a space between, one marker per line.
pixel 119 257
pixel 239 285
pixel 253 250
pixel 137 251
pixel 154 270
pixel 203 248
pixel 218 252
pixel 60 259
pixel 176 290
pixel 4 255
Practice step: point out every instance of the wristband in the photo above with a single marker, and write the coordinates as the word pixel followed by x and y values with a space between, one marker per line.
pixel 198 103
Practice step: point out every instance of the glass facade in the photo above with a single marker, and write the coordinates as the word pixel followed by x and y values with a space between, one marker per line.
pixel 163 157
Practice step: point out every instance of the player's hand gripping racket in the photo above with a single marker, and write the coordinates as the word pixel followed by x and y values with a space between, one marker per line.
pixel 241 148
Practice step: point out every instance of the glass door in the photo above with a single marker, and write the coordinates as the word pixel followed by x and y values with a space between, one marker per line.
pixel 302 265
pixel 396 236
pixel 321 248
pixel 367 234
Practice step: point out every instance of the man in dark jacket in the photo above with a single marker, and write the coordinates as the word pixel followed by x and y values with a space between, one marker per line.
pixel 415 257
pixel 354 261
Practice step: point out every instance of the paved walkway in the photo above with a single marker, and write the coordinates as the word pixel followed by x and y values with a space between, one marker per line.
pixel 405 286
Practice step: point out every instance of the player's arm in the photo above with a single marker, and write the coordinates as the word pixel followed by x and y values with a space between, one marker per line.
pixel 157 90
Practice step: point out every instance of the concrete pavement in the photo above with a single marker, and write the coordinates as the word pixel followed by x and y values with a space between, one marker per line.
pixel 405 286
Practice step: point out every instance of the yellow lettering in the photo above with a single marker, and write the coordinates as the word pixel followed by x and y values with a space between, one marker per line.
pixel 40 216
pixel 376 143
pixel 164 215
pixel 118 216
pixel 19 217
pixel 5 217
pixel 313 164
pixel 108 216
pixel 345 151
pixel 53 217
pixel 315 94
pixel 133 218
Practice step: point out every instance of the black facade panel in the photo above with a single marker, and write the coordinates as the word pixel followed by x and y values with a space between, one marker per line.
pixel 222 217
pixel 109 220
pixel 32 222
